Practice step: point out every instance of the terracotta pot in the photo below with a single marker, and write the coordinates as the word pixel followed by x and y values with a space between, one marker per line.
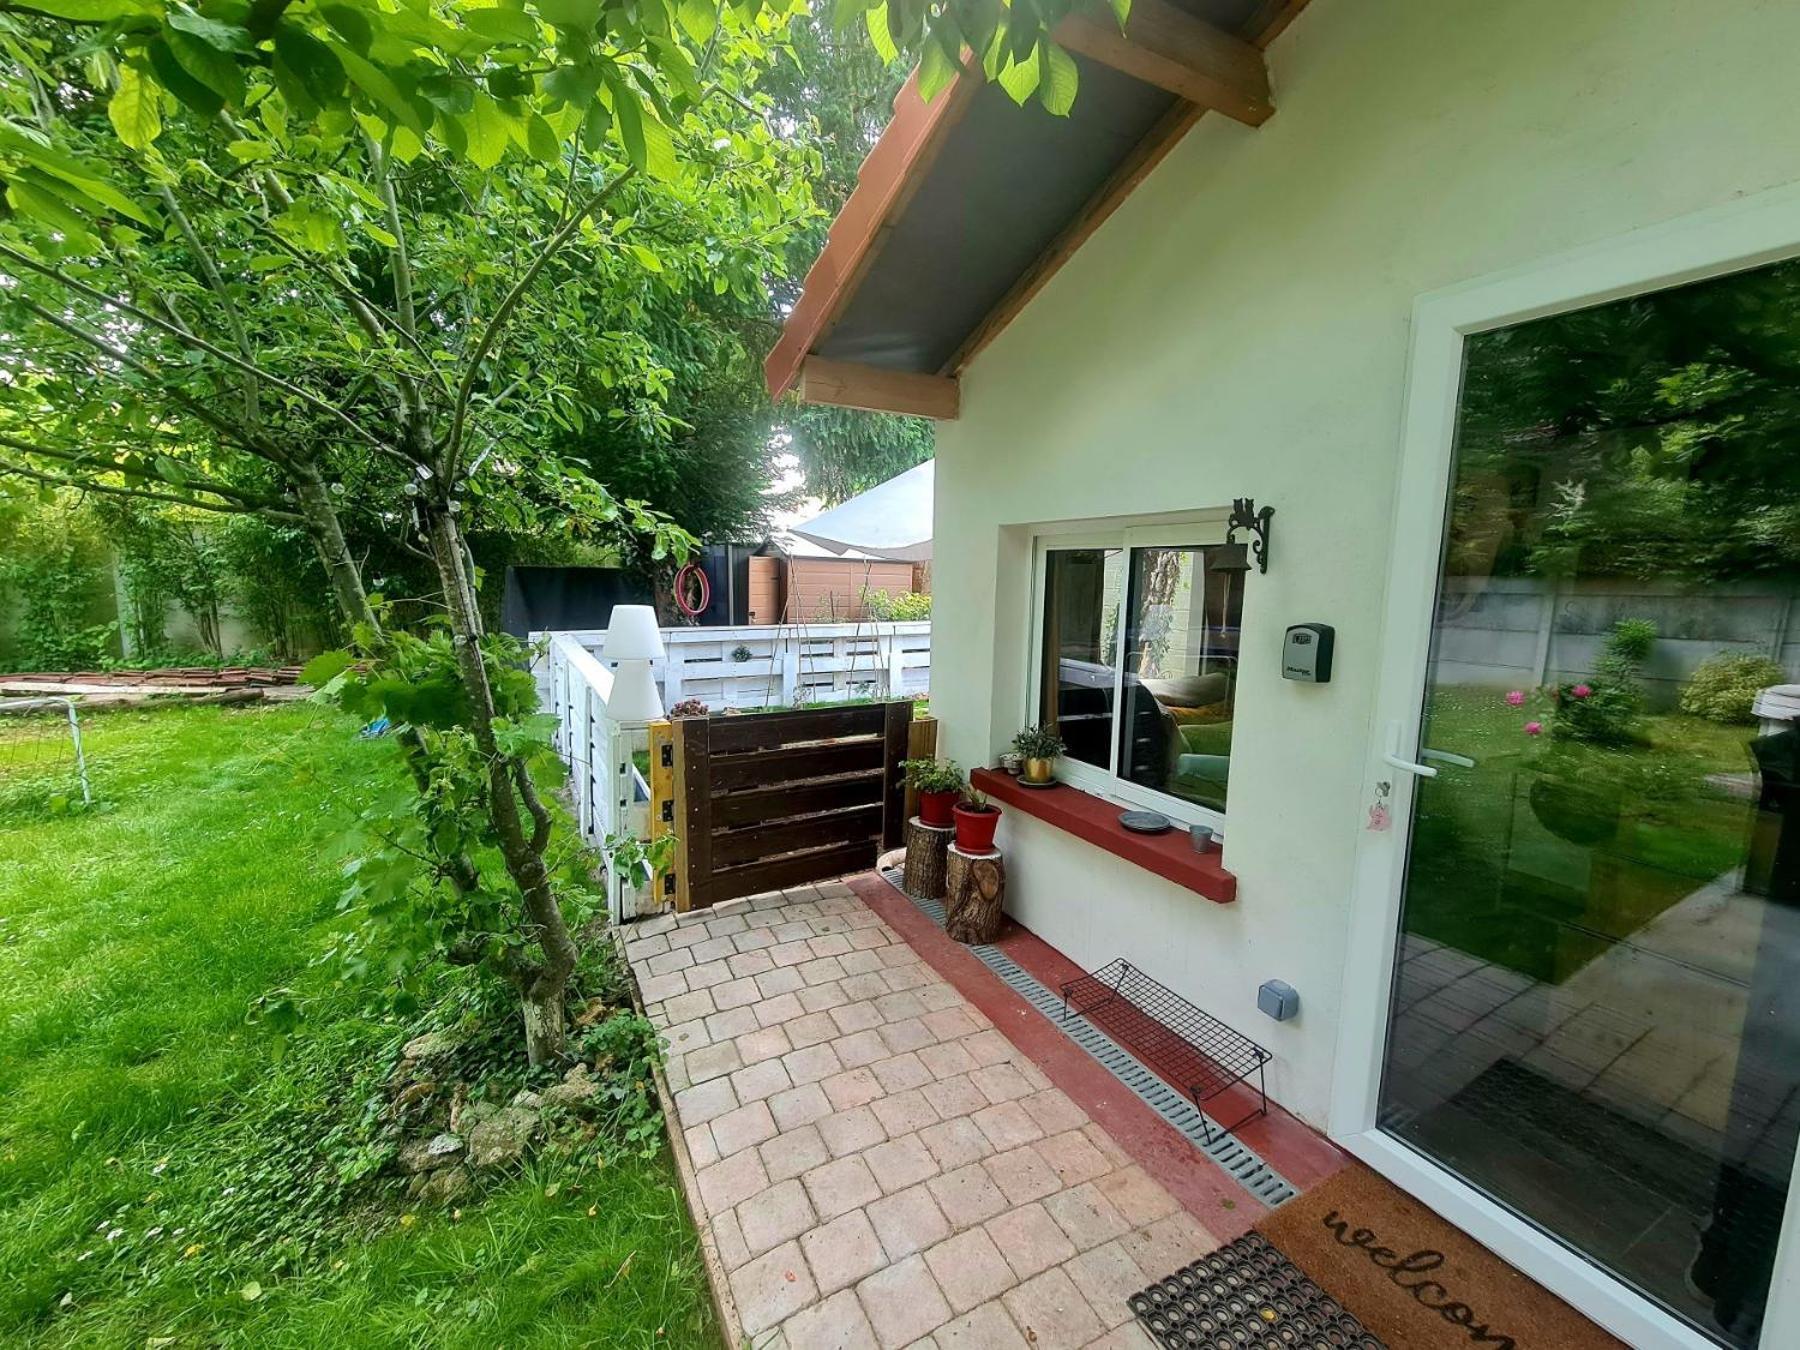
pixel 975 828
pixel 1038 770
pixel 935 807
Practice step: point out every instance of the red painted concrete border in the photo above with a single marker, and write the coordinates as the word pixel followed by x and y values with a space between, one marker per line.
pixel 1223 1207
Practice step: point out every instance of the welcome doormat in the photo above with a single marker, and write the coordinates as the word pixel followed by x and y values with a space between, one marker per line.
pixel 1415 1281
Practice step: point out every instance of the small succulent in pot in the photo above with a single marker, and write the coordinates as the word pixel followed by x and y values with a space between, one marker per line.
pixel 1038 748
pixel 939 782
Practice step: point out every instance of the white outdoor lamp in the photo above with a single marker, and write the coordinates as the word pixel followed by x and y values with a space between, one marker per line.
pixel 634 641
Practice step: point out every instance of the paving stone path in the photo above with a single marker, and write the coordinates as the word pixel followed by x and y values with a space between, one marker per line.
pixel 877 1165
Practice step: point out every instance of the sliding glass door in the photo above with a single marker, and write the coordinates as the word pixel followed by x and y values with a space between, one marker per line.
pixel 1595 1017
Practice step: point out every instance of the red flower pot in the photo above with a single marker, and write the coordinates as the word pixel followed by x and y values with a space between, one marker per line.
pixel 935 807
pixel 975 828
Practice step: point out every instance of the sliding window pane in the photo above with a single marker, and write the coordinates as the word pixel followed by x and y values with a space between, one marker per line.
pixel 1181 653
pixel 1081 607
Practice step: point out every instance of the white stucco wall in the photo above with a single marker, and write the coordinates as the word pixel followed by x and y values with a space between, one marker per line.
pixel 1240 328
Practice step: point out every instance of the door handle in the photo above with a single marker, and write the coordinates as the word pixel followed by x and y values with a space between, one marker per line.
pixel 1393 760
pixel 1446 757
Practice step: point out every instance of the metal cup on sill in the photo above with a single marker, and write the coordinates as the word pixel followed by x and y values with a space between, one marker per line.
pixel 1202 837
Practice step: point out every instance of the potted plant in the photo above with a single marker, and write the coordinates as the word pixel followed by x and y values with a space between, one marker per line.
pixel 1038 748
pixel 976 820
pixel 939 782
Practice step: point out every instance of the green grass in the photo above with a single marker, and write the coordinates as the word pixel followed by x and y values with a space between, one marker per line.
pixel 1489 878
pixel 160 1154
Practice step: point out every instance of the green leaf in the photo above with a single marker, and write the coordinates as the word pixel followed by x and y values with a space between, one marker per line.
pixel 170 74
pixel 33 197
pixel 876 21
pixel 489 130
pixel 207 64
pixel 575 14
pixel 629 113
pixel 1122 11
pixel 376 83
pixel 135 109
pixel 250 152
pixel 698 19
pixel 659 150
pixel 1058 79
pixel 324 668
pixel 1020 80
pixel 646 259
pixel 574 85
pixel 221 36
pixel 503 25
pixel 541 140
pixel 305 226
pixel 308 64
pixel 352 25
pixel 936 71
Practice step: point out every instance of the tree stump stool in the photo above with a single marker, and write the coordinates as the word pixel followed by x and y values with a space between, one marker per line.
pixel 925 849
pixel 976 890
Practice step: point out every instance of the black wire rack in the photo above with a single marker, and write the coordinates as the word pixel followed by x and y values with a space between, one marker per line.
pixel 1192 1049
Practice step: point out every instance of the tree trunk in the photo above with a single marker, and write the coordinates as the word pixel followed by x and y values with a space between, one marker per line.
pixel 541 988
pixel 320 514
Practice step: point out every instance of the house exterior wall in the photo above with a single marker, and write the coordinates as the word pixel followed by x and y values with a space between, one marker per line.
pixel 1240 328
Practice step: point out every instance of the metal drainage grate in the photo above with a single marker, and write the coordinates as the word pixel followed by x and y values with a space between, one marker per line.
pixel 1234 1158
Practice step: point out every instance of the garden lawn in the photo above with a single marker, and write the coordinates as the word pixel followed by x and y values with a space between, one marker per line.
pixel 1490 879
pixel 171 1168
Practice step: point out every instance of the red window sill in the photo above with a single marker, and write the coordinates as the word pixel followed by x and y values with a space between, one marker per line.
pixel 1171 856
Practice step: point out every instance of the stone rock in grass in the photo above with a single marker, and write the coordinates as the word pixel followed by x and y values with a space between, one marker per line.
pixel 527 1099
pixel 432 1045
pixel 422 1155
pixel 498 1134
pixel 440 1188
pixel 576 1090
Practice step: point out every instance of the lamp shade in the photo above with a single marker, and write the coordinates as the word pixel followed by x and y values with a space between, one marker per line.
pixel 634 696
pixel 632 634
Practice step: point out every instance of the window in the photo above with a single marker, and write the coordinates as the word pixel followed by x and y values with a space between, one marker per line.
pixel 1137 664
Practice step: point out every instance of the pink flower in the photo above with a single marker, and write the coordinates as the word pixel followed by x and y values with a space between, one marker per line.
pixel 1534 728
pixel 1582 690
pixel 1516 698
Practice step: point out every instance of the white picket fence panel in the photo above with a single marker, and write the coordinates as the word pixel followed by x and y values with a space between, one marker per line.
pixel 785 665
pixel 610 795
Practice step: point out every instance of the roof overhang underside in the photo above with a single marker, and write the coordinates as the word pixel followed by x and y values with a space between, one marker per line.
pixel 968 204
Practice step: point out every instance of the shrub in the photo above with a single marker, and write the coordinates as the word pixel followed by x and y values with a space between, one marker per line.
pixel 1724 685
pixel 1605 709
pixel 690 707
pixel 903 608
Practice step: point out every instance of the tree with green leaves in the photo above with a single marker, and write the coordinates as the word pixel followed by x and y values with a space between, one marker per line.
pixel 303 259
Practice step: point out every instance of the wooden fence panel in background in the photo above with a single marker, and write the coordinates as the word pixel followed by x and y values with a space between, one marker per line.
pixel 768 800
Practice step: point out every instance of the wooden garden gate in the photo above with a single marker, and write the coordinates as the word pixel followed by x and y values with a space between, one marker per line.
pixel 766 800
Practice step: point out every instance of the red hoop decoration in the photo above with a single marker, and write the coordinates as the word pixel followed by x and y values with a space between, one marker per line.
pixel 693 576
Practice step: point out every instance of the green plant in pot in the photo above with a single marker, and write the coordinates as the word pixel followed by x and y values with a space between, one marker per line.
pixel 939 782
pixel 1037 748
pixel 976 820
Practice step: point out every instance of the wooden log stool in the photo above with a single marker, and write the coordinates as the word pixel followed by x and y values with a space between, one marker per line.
pixel 976 890
pixel 925 849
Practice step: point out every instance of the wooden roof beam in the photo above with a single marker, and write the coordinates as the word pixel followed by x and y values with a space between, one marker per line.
pixel 1169 48
pixel 848 385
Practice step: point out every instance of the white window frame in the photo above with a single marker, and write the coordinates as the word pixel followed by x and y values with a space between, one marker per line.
pixel 1204 531
pixel 1748 233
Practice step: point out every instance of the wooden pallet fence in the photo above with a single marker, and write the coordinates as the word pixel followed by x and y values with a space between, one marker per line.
pixel 767 800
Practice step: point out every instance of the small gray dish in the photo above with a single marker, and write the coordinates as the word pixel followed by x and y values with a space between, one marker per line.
pixel 1146 822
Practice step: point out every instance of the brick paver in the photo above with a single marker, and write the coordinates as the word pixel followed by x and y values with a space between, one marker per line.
pixel 877 1164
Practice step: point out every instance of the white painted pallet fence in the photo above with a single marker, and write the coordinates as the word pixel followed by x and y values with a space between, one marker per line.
pixel 610 796
pixel 787 664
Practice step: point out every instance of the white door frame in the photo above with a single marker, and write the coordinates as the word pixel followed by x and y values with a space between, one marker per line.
pixel 1746 233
